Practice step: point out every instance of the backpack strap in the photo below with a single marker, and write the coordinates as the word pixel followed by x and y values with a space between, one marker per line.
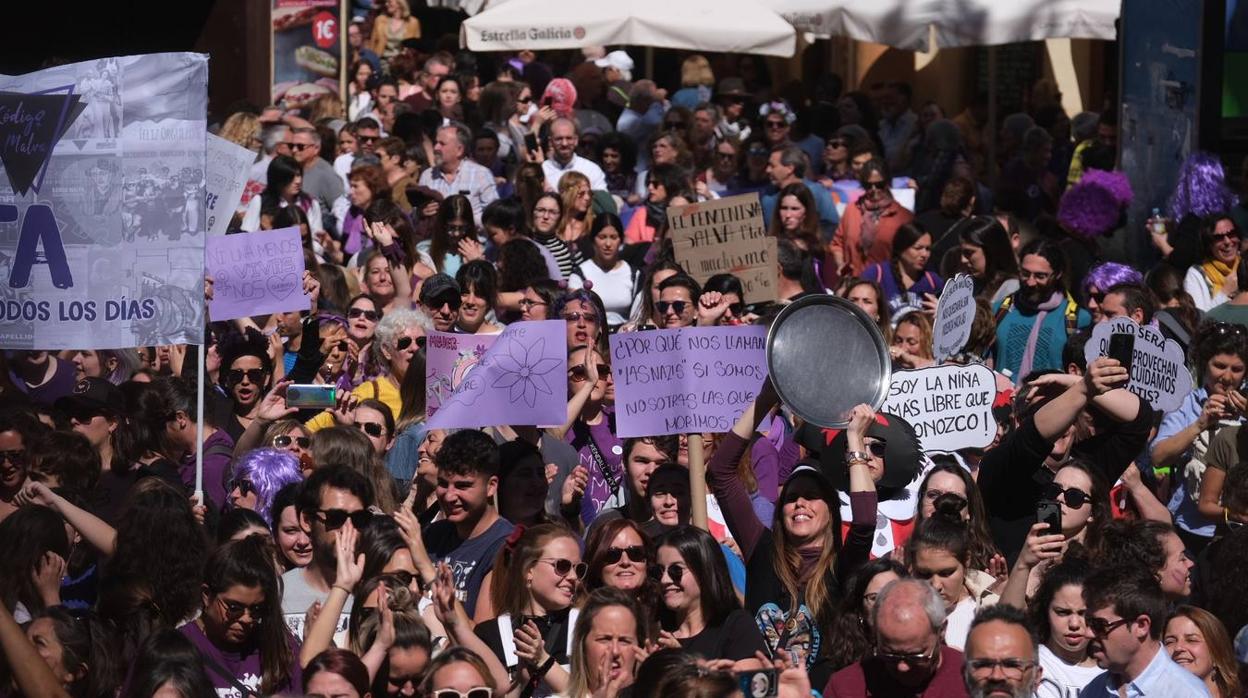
pixel 1072 316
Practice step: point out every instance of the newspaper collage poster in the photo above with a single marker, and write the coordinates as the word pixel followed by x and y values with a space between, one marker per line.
pixel 102 203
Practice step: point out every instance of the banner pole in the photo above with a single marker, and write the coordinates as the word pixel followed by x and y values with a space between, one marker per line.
pixel 199 425
pixel 697 482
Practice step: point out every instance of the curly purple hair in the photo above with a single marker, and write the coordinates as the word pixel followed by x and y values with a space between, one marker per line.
pixel 1109 274
pixel 1201 189
pixel 1094 206
pixel 269 470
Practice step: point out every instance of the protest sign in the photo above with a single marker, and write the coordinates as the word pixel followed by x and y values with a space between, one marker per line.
pixel 522 379
pixel 228 167
pixel 694 379
pixel 955 313
pixel 727 236
pixel 950 406
pixel 102 219
pixel 255 273
pixel 309 50
pixel 1159 372
pixel 449 357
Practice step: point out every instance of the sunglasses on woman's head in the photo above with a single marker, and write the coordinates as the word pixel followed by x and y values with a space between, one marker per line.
pixel 285 440
pixel 677 307
pixel 1073 497
pixel 636 553
pixel 405 342
pixel 563 567
pixel 254 375
pixel 334 519
pixel 373 429
pixel 370 315
pixel 675 572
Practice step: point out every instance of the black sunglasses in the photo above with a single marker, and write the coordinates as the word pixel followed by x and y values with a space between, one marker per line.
pixel 373 429
pixel 878 448
pixel 235 610
pixel 244 486
pixel 255 375
pixel 737 309
pixel 17 457
pixel 1074 498
pixel 285 440
pixel 878 186
pixel 837 143
pixel 366 139
pixel 370 315
pixel 335 518
pixel 677 307
pixel 405 342
pixel 454 301
pixel 636 553
pixel 300 146
pixel 675 572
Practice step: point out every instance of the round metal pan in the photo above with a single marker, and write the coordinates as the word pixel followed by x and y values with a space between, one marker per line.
pixel 825 356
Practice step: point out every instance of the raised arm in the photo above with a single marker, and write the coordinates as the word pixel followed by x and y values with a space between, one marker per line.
pixel 99 534
pixel 320 636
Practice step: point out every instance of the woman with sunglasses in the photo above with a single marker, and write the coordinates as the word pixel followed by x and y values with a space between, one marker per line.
pixel 258 476
pixel 582 309
pixel 240 635
pixel 865 234
pixel 536 580
pixel 1220 354
pixel 363 314
pixel 607 644
pixel 700 611
pixel 246 375
pixel 288 435
pixel 939 552
pixel 1213 280
pixel 620 554
pixel 597 482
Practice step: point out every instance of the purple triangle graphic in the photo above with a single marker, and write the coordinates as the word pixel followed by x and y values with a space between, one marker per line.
pixel 30 126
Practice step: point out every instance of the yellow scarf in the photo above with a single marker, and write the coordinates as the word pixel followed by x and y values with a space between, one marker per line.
pixel 1216 273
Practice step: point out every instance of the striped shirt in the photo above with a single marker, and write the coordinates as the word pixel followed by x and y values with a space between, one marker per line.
pixel 566 254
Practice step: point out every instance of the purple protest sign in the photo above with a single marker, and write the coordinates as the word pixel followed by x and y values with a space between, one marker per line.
pixel 521 379
pixel 255 273
pixel 695 379
pixel 449 358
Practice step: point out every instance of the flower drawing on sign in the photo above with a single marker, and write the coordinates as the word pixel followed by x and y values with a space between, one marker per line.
pixel 522 369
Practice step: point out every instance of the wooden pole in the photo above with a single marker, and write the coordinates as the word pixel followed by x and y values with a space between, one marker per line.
pixel 697 482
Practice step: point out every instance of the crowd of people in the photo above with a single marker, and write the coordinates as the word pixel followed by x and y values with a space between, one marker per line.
pixel 355 551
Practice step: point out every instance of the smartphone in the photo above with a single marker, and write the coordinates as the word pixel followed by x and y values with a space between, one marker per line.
pixel 1050 512
pixel 321 396
pixel 1122 348
pixel 530 141
pixel 760 683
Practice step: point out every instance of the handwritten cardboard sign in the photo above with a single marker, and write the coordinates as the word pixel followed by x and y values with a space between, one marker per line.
pixel 694 379
pixel 255 273
pixel 228 167
pixel 950 406
pixel 727 236
pixel 449 358
pixel 1159 372
pixel 955 314
pixel 521 379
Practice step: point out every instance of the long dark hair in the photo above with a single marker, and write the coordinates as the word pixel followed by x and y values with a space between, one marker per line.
pixel 987 233
pixel 86 652
pixel 1051 252
pixel 25 536
pixel 453 207
pixel 848 640
pixel 167 657
pixel 808 232
pixel 596 546
pixel 282 171
pixel 1071 571
pixel 982 547
pixel 249 563
pixel 705 561
pixel 1208 228
pixel 1102 513
pixel 906 236
pixel 520 263
pixel 943 530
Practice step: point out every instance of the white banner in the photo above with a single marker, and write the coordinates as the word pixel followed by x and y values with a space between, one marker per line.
pixel 229 164
pixel 102 203
pixel 1159 372
pixel 950 406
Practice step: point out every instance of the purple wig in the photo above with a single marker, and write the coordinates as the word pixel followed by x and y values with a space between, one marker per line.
pixel 1201 189
pixel 1109 274
pixel 269 470
pixel 1094 206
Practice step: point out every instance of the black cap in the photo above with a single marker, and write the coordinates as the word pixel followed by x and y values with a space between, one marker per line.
pixel 438 287
pixel 94 396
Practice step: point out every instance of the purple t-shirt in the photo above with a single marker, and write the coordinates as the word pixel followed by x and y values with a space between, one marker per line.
pixel 244 667
pixel 599 493
pixel 60 385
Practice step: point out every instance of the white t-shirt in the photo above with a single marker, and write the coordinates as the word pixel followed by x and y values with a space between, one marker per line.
pixel 1062 680
pixel 958 623
pixel 614 287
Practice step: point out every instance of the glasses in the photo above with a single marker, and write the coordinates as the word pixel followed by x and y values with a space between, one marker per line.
pixel 674 572
pixel 1231 523
pixel 877 186
pixel 563 567
pixel 1231 235
pixel 301 146
pixel 525 100
pixel 877 448
pixel 574 316
pixel 234 610
pixel 1097 298
pixel 1073 497
pixel 776 125
pixel 367 139
pixel 911 659
pixel 526 304
pixel 370 315
pixel 677 307
pixel 17 457
pixel 405 342
pixel 737 309
pixel 578 374
pixel 335 518
pixel 255 376
pixel 244 487
pixel 1011 667
pixel 1102 628
pixel 635 553
pixel 373 429
pixel 838 143
pixel 284 441
pixel 1041 276
pixel 479 692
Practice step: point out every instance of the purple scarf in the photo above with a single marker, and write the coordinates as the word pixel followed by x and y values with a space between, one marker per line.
pixel 1029 354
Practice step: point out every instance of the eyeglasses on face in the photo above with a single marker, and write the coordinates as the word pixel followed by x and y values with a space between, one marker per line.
pixel 526 304
pixel 404 343
pixel 563 567
pixel 1073 496
pixel 373 429
pixel 1011 667
pixel 875 186
pixel 775 125
pixel 677 307
pixel 255 376
pixel 542 211
pixel 285 440
pixel 301 146
pixel 366 139
pixel 837 143
pixel 370 315
pixel 918 659
pixel 635 553
pixel 334 519
pixel 575 316
pixel 578 373
pixel 16 457
pixel 451 301
pixel 674 572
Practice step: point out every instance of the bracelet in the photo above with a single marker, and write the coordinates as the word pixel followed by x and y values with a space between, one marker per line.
pixel 545 667
pixel 339 586
pixel 857 456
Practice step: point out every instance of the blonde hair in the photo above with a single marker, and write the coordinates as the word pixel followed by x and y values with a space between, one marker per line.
pixel 327 106
pixel 696 71
pixel 599 599
pixel 568 184
pixel 241 128
pixel 924 326
pixel 405 10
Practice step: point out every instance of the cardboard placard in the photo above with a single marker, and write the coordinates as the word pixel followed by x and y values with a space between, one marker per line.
pixel 955 314
pixel 1159 372
pixel 255 273
pixel 727 236
pixel 229 165
pixel 449 358
pixel 950 406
